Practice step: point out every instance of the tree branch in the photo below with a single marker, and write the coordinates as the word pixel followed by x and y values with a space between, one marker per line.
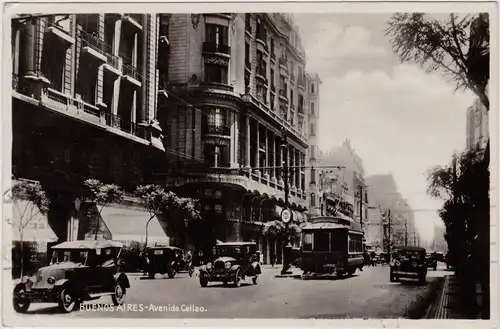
pixel 461 56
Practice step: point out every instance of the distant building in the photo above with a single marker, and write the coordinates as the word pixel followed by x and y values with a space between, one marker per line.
pixel 439 243
pixel 400 229
pixel 477 125
pixel 346 183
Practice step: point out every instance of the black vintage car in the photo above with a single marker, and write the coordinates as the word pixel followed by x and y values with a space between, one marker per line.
pixel 408 262
pixel 78 271
pixel 169 260
pixel 431 260
pixel 234 262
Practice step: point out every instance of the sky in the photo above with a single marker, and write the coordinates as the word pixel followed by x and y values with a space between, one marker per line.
pixel 399 119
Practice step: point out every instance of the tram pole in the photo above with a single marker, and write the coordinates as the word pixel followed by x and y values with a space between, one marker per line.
pixel 287 247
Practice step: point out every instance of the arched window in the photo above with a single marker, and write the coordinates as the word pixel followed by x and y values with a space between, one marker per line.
pixel 313 200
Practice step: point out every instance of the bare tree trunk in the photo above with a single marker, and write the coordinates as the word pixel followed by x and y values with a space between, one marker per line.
pixel 22 253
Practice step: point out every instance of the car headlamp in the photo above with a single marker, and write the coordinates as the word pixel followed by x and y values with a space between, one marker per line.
pixel 227 265
pixel 209 266
pixel 398 263
pixel 51 280
pixel 414 264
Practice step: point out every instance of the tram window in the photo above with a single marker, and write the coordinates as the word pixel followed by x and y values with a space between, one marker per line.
pixel 338 241
pixel 322 241
pixel 308 240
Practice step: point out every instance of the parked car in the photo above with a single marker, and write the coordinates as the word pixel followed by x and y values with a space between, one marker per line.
pixel 234 262
pixel 408 262
pixel 440 256
pixel 431 261
pixel 163 259
pixel 449 261
pixel 78 271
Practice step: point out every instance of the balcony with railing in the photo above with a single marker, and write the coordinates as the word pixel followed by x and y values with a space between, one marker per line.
pixel 261 73
pixel 283 66
pixel 283 96
pixel 215 48
pixel 94 47
pixel 248 65
pixel 134 20
pixel 261 39
pixel 218 130
pixel 60 33
pixel 273 89
pixel 273 56
pixel 130 72
pixel 116 121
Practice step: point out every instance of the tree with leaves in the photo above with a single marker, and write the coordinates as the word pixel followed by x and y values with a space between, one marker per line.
pixel 102 195
pixel 35 201
pixel 459 46
pixel 464 188
pixel 160 202
pixel 276 229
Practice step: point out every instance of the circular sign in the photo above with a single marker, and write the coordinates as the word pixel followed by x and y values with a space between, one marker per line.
pixel 286 215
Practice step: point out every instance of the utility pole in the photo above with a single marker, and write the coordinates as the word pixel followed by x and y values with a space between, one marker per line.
pixel 361 206
pixel 389 232
pixel 287 247
pixel 406 232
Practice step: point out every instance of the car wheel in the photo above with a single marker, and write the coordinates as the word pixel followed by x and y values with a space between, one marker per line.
pixel 254 279
pixel 435 268
pixel 224 282
pixel 67 301
pixel 191 271
pixel 171 274
pixel 203 281
pixel 392 278
pixel 20 301
pixel 237 279
pixel 421 279
pixel 119 295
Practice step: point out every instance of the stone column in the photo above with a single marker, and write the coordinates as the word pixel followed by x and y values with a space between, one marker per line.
pixel 116 96
pixel 133 114
pixel 117 37
pixel 28 44
pixel 236 119
pixel 257 138
pixel 134 50
pixel 247 143
pixel 273 172
pixel 141 114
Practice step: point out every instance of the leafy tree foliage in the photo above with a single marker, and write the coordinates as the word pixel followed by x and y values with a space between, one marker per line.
pixel 36 202
pixel 458 46
pixel 278 229
pixel 466 215
pixel 160 202
pixel 102 195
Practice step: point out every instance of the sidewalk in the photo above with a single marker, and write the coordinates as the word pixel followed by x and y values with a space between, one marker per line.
pixel 448 304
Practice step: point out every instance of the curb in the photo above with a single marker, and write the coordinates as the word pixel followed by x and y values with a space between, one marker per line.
pixel 294 276
pixel 438 310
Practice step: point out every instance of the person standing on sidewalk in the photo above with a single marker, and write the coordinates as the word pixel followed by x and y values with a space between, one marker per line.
pixel 273 259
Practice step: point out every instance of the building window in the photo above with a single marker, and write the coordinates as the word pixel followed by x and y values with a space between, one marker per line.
pixel 312 132
pixel 312 88
pixel 247 56
pixel 248 27
pixel 273 55
pixel 216 155
pixel 313 200
pixel 312 108
pixel 313 176
pixel 216 73
pixel 216 34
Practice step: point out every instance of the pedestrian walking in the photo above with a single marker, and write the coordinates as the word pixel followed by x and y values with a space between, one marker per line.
pixel 273 260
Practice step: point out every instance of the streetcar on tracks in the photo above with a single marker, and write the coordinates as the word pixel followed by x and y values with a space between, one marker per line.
pixel 331 245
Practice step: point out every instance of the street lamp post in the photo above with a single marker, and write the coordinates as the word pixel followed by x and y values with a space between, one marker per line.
pixel 286 244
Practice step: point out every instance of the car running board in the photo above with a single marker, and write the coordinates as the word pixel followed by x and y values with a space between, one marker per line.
pixel 99 295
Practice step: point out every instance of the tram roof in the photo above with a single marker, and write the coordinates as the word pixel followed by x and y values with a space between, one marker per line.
pixel 323 226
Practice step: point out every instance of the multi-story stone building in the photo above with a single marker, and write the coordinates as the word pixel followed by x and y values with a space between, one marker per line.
pixel 349 179
pixel 313 100
pixel 236 86
pixel 84 92
pixel 384 194
pixel 477 125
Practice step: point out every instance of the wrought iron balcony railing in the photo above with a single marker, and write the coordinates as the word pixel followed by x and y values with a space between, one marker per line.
pixel 212 47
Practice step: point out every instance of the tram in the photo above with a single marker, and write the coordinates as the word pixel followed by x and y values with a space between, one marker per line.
pixel 331 245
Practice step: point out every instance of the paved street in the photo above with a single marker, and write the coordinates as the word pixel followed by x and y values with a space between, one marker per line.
pixel 367 294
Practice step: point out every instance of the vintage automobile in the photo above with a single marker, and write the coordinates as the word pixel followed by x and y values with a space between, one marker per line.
pixel 234 262
pixel 431 260
pixel 164 259
pixel 408 262
pixel 331 245
pixel 449 261
pixel 78 271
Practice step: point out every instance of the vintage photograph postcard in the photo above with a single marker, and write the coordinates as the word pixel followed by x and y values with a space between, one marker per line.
pixel 269 163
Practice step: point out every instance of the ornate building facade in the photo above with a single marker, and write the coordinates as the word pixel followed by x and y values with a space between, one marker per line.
pixel 84 92
pixel 236 85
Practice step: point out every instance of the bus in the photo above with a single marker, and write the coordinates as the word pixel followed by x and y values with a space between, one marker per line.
pixel 331 245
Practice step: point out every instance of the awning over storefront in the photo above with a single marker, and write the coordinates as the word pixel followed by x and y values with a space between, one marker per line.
pixel 128 224
pixel 36 225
